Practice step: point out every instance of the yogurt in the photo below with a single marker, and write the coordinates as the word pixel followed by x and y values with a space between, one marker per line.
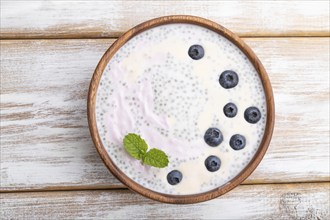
pixel 152 87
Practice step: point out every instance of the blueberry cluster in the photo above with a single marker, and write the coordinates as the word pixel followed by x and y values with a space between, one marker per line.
pixel 213 137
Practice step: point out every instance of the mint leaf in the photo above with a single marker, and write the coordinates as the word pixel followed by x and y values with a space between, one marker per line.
pixel 135 146
pixel 156 158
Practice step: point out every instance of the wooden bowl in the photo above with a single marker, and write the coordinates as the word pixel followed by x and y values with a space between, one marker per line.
pixel 181 199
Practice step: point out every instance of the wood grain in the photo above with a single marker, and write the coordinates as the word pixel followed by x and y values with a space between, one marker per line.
pixel 45 142
pixel 90 19
pixel 185 199
pixel 279 201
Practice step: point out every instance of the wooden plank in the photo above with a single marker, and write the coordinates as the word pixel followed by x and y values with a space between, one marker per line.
pixel 90 19
pixel 279 201
pixel 45 142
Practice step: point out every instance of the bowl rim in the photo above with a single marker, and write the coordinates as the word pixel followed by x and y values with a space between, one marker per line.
pixel 193 198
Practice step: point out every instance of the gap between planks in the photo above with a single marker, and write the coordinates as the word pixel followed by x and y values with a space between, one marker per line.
pixel 123 187
pixel 115 38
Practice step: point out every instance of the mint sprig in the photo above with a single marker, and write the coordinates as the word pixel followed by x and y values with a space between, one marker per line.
pixel 137 148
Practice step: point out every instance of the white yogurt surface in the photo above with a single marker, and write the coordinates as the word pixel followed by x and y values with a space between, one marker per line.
pixel 153 88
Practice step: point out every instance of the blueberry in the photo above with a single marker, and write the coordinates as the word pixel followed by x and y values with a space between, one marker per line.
pixel 196 52
pixel 213 137
pixel 237 142
pixel 174 177
pixel 252 115
pixel 230 110
pixel 212 163
pixel 228 79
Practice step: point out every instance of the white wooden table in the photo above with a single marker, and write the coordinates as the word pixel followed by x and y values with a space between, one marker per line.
pixel 49 166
